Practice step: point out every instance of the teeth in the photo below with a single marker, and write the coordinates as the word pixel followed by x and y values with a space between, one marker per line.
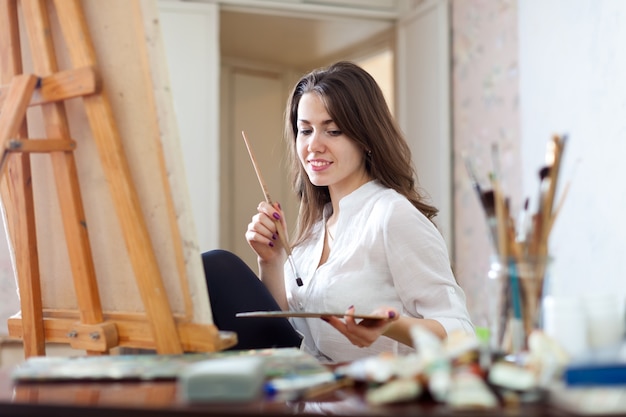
pixel 319 163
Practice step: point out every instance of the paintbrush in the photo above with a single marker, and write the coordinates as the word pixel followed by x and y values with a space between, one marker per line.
pixel 559 205
pixel 502 218
pixel 495 160
pixel 268 199
pixel 554 156
pixel 538 218
pixel 472 175
pixel 487 201
pixel 509 254
pixel 522 223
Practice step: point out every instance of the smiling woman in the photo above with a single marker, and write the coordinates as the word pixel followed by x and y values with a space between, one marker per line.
pixel 344 165
pixel 354 178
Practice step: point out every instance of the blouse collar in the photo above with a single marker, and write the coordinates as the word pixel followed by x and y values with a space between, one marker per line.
pixel 354 201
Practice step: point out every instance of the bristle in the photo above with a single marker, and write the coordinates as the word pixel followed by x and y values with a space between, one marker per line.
pixel 488 201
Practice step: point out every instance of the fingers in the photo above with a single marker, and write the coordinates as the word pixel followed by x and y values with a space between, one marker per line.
pixel 349 317
pixel 263 232
pixel 365 332
pixel 390 314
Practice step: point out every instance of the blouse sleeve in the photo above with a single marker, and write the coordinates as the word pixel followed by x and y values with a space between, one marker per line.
pixel 420 266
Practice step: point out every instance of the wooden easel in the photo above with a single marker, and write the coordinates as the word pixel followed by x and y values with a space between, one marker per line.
pixel 91 330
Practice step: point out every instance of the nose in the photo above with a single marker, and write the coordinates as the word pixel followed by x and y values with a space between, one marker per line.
pixel 315 142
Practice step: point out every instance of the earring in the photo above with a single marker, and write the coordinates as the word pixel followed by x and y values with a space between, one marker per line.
pixel 369 153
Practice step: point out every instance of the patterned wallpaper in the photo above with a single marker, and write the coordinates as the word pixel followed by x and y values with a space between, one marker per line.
pixel 485 113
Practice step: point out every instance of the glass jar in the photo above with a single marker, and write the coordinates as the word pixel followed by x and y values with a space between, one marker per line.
pixel 515 290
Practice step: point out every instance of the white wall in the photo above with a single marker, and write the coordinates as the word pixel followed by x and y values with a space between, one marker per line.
pixel 573 81
pixel 423 102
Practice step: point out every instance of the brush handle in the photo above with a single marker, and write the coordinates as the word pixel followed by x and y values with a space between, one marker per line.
pixel 282 235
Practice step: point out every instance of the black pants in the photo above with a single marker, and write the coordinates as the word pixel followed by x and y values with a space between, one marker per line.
pixel 233 288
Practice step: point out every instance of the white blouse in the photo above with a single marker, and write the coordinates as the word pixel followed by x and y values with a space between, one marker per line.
pixel 385 253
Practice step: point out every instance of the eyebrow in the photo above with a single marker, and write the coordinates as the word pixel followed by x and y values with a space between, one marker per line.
pixel 325 122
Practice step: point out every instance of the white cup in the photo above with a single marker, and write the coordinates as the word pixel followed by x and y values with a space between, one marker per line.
pixel 605 319
pixel 564 320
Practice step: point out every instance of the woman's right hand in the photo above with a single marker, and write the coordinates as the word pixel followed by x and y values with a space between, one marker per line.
pixel 262 234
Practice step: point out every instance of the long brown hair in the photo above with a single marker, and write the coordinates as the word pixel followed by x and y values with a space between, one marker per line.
pixel 356 104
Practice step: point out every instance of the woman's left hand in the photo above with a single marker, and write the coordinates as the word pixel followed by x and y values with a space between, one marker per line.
pixel 364 332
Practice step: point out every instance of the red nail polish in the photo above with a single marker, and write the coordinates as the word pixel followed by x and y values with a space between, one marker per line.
pixel 271 243
pixel 392 314
pixel 276 216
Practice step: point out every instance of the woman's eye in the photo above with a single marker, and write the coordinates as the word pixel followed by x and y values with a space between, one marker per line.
pixel 304 132
pixel 334 132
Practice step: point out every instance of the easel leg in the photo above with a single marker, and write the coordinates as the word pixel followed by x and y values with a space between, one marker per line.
pixel 117 171
pixel 64 167
pixel 16 189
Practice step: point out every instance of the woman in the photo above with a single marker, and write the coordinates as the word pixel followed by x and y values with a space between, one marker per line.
pixel 365 241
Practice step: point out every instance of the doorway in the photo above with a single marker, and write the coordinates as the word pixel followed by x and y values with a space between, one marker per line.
pixel 257 74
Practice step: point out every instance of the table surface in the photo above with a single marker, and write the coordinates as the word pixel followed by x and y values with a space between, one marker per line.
pixel 159 398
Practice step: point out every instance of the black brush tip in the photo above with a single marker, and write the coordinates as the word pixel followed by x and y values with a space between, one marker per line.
pixel 488 200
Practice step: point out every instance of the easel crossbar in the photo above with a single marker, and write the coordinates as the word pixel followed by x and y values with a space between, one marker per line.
pixel 61 86
pixel 133 331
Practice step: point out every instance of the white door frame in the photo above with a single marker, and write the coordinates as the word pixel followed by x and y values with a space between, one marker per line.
pixel 423 102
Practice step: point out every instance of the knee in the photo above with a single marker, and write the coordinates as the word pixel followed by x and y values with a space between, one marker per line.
pixel 217 254
pixel 220 263
pixel 219 258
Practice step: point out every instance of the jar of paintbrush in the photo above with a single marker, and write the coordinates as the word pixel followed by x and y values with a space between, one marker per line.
pixel 521 262
pixel 516 288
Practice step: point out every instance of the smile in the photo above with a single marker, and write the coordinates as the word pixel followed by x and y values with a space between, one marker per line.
pixel 319 164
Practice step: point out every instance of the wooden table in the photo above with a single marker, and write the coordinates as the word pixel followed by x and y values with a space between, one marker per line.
pixel 159 398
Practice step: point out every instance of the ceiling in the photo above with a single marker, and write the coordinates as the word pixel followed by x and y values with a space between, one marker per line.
pixel 297 42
